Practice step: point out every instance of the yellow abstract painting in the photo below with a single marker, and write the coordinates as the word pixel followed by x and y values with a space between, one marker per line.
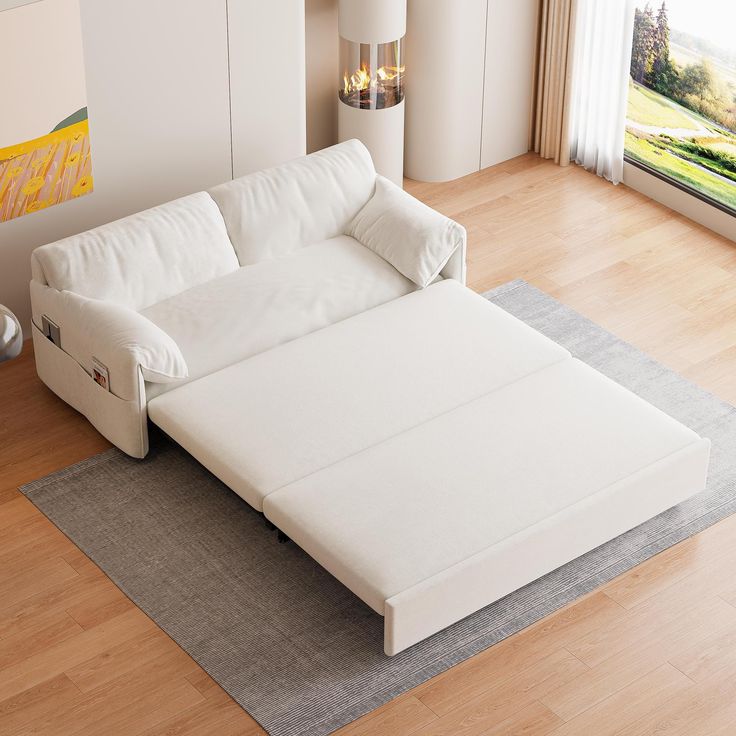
pixel 44 128
pixel 45 171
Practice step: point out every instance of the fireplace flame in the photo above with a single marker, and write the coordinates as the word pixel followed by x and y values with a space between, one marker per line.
pixel 387 73
pixel 362 79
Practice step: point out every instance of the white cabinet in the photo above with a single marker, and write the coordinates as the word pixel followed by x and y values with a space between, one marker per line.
pixel 509 74
pixel 158 100
pixel 469 84
pixel 445 48
pixel 267 82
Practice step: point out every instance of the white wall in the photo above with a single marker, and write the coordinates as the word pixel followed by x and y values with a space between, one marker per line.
pixel 267 82
pixel 322 55
pixel 159 107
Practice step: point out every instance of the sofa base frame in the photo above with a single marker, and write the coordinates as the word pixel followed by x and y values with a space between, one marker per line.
pixel 123 422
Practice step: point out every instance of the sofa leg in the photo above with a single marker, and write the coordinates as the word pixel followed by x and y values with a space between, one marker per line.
pixel 283 539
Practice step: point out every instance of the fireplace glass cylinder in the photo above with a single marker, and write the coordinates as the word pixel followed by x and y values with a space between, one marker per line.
pixel 372 74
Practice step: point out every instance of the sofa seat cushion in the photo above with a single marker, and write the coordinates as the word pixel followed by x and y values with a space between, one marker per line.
pixel 268 421
pixel 258 307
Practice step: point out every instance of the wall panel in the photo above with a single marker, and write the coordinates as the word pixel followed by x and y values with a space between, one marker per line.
pixel 267 82
pixel 322 54
pixel 510 42
pixel 445 53
pixel 469 81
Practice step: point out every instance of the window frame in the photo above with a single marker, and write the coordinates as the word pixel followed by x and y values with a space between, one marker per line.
pixel 681 186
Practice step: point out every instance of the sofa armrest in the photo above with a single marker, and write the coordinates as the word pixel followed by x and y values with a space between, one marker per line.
pixel 416 240
pixel 456 266
pixel 123 340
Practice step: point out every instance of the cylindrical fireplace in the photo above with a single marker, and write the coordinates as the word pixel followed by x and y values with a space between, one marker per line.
pixel 371 80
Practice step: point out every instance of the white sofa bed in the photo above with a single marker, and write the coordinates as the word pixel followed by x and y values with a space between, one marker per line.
pixel 179 291
pixel 428 449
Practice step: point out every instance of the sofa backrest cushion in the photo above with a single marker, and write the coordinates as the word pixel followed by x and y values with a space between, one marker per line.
pixel 144 258
pixel 305 201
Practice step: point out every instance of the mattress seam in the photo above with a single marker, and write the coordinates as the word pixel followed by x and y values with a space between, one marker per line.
pixel 433 418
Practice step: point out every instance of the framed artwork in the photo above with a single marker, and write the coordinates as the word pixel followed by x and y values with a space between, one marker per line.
pixel 45 156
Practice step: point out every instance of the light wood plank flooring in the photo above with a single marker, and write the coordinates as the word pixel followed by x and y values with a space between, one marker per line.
pixel 654 651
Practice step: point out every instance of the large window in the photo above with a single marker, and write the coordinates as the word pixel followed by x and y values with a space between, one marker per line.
pixel 682 98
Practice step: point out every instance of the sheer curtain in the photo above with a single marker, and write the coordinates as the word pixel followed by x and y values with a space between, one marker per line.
pixel 603 33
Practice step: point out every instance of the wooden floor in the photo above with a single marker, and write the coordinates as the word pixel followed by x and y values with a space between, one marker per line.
pixel 654 651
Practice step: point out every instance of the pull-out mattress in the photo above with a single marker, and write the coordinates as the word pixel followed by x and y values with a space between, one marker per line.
pixel 435 453
pixel 453 514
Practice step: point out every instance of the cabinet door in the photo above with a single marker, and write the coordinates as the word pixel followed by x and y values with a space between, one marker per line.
pixel 157 90
pixel 445 51
pixel 267 82
pixel 510 42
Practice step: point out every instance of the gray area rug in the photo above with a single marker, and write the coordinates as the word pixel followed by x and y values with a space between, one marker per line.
pixel 296 649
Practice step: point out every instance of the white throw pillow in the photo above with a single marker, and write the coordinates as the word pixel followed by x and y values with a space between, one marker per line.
pixel 415 239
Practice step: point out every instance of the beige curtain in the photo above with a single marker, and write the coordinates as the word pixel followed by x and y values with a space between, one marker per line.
pixel 549 134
